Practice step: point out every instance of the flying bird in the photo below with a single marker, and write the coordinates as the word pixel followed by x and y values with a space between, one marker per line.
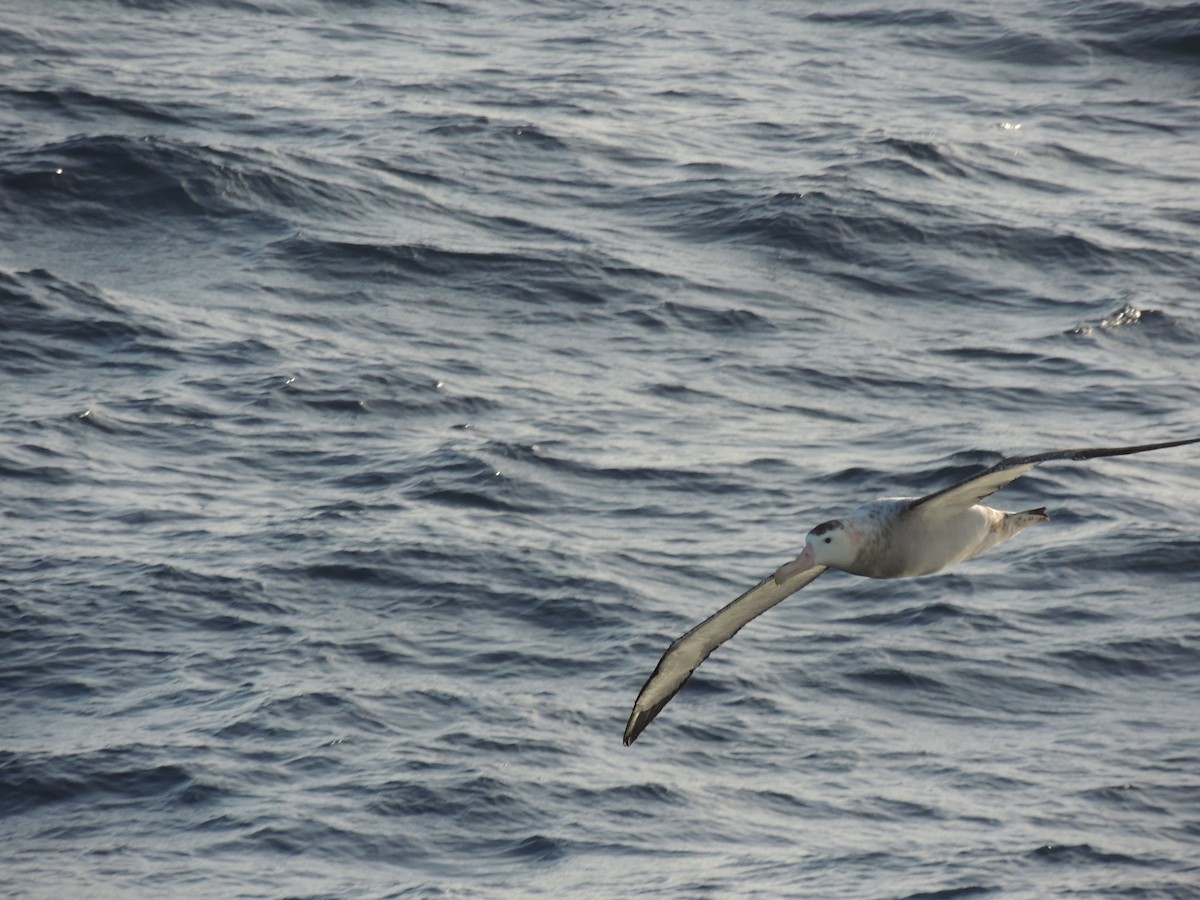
pixel 894 537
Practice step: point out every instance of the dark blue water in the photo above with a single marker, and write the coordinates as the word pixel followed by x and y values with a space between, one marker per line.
pixel 386 383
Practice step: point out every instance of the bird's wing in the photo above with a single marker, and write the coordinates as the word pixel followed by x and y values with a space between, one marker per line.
pixel 971 490
pixel 687 652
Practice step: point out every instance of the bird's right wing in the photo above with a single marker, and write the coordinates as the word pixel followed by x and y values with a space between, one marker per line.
pixel 686 653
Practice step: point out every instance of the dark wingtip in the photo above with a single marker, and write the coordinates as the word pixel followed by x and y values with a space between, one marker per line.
pixel 640 718
pixel 637 724
pixel 1090 453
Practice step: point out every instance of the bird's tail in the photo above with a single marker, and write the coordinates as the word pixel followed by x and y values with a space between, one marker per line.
pixel 1014 522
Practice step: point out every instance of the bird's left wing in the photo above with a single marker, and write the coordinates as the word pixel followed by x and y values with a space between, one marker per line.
pixel 971 490
pixel 687 652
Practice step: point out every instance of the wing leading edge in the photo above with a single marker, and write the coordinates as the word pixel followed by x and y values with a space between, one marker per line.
pixel 688 651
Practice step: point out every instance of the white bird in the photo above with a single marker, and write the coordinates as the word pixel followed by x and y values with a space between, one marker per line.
pixel 895 537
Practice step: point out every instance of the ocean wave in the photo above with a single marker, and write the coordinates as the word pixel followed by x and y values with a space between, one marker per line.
pixel 118 776
pixel 1149 31
pixel 48 323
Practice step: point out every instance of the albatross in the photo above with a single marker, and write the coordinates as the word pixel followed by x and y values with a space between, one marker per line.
pixel 894 537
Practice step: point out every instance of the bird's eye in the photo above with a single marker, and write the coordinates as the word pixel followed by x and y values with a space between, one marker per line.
pixel 829 540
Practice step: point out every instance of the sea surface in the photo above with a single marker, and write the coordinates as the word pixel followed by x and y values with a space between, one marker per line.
pixel 384 385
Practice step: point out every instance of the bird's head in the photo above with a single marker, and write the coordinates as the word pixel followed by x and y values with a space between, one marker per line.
pixel 831 543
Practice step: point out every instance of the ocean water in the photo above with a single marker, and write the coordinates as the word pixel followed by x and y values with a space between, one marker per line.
pixel 387 383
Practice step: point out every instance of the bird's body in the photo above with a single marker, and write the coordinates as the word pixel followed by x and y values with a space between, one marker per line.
pixel 894 537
